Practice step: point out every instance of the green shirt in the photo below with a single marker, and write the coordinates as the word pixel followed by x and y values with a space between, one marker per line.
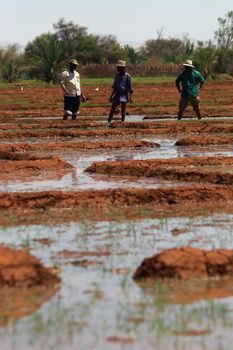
pixel 190 83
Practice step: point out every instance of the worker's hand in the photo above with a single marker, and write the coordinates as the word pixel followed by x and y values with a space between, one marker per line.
pixel 66 92
pixel 83 98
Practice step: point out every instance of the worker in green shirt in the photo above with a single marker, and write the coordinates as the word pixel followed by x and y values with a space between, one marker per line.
pixel 189 83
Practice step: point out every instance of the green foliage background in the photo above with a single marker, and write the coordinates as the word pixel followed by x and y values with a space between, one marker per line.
pixel 46 56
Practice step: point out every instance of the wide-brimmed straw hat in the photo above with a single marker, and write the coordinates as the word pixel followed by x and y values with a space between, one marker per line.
pixel 121 63
pixel 74 62
pixel 188 63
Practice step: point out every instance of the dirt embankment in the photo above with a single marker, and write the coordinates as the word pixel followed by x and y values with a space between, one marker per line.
pixel 205 140
pixel 19 151
pixel 195 169
pixel 174 127
pixel 52 125
pixel 178 199
pixel 50 121
pixel 187 263
pixel 26 168
pixel 118 129
pixel 108 132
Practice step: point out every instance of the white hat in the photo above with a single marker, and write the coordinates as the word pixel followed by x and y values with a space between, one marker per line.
pixel 121 63
pixel 188 63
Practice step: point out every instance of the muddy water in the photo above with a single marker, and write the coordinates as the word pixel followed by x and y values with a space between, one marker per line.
pixel 100 307
pixel 80 180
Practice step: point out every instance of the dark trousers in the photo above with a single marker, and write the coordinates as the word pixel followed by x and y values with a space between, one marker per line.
pixel 71 105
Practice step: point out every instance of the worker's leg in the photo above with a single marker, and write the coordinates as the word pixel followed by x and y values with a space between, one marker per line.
pixel 123 109
pixel 183 103
pixel 67 107
pixel 195 102
pixel 112 110
pixel 75 107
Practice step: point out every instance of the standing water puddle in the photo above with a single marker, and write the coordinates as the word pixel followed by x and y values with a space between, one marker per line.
pixel 99 306
pixel 79 180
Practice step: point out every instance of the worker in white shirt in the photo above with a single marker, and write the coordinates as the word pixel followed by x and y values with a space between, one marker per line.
pixel 70 83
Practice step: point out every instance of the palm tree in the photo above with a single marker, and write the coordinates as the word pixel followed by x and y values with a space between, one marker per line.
pixel 10 63
pixel 46 56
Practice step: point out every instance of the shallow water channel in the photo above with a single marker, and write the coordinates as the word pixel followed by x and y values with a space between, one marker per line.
pixel 78 179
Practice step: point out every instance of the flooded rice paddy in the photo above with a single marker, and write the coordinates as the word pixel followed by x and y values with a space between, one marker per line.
pixel 98 305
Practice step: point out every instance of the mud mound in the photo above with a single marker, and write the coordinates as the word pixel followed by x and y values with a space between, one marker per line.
pixel 14 155
pixel 19 151
pixel 174 127
pixel 143 167
pixel 179 198
pixel 52 125
pixel 205 140
pixel 32 167
pixel 187 262
pixel 138 128
pixel 73 133
pixel 20 269
pixel 193 169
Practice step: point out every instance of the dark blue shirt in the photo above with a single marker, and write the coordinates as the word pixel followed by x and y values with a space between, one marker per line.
pixel 122 86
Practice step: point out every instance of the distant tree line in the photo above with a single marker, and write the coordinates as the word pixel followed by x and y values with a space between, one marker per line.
pixel 45 56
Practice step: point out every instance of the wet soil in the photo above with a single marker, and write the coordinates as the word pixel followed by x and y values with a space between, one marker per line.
pixel 205 140
pixel 186 263
pixel 9 151
pixel 98 228
pixel 19 269
pixel 180 198
pixel 51 125
pixel 217 170
pixel 32 167
pixel 149 99
pixel 170 128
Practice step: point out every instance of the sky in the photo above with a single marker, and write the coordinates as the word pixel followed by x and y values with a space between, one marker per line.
pixel 131 21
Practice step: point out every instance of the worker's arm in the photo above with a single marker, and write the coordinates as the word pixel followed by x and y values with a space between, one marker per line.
pixel 64 88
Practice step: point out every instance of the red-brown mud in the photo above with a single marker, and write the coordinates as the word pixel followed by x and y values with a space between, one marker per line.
pixel 19 151
pixel 19 269
pixel 44 101
pixel 193 169
pixel 173 127
pixel 50 121
pixel 205 140
pixel 159 128
pixel 12 168
pixel 185 263
pixel 178 198
pixel 51 125
pixel 73 133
